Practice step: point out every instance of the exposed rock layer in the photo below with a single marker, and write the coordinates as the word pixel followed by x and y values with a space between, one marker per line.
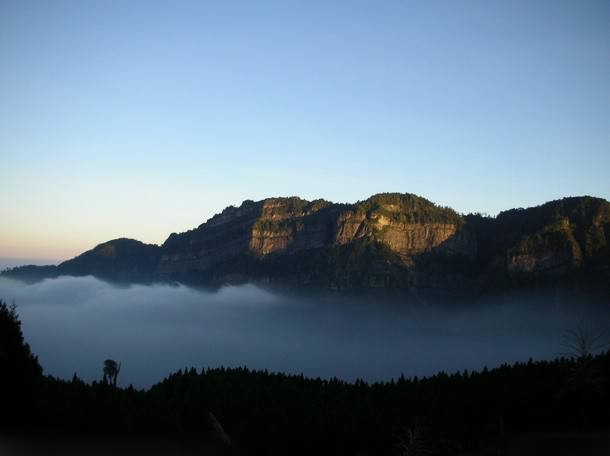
pixel 398 241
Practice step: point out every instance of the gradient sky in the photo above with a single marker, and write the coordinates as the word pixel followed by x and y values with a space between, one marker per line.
pixel 139 119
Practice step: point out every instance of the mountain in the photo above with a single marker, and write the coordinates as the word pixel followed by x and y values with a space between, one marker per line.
pixel 120 260
pixel 389 241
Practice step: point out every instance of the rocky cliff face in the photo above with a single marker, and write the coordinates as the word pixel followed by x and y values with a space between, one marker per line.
pixel 278 230
pixel 397 241
pixel 557 237
pixel 255 228
pixel 555 250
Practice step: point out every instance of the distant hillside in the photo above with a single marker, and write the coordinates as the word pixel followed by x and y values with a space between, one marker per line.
pixel 389 241
pixel 121 260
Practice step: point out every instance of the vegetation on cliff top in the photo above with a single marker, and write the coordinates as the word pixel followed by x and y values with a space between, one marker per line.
pixel 568 233
pixel 407 208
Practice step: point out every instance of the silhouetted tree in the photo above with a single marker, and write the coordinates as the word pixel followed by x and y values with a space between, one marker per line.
pixel 20 373
pixel 111 371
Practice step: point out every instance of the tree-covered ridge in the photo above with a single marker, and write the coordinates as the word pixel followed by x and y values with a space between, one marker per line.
pixel 406 208
pixel 291 206
pixel 556 236
pixel 585 215
pixel 125 252
pixel 242 411
pixel 120 260
pixel 463 411
pixel 260 412
pixel 411 244
pixel 577 228
pixel 238 411
pixel 284 214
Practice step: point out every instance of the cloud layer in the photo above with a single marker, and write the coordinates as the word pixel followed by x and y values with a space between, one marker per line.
pixel 73 324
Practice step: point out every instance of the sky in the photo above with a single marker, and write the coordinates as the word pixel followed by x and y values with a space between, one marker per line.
pixel 138 119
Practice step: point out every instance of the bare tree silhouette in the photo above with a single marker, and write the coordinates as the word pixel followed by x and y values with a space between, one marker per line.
pixel 411 442
pixel 584 378
pixel 582 342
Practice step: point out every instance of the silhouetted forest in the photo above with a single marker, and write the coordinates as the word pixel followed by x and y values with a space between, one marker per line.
pixel 240 411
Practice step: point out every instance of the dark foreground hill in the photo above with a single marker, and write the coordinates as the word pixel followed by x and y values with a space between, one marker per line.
pixel 389 241
pixel 525 408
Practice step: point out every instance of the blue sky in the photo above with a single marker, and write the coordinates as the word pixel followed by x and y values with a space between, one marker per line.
pixel 142 118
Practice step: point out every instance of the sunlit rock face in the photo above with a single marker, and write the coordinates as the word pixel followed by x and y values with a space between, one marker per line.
pixel 370 244
pixel 389 241
pixel 255 228
pixel 290 224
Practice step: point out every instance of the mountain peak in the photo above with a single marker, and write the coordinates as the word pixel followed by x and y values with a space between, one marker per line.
pixel 390 240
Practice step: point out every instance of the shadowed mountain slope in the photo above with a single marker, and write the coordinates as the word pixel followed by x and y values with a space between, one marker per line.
pixel 389 241
pixel 121 260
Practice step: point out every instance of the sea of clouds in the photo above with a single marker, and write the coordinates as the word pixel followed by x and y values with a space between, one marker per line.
pixel 74 324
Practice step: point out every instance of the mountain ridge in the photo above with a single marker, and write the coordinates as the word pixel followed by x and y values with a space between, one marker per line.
pixel 397 241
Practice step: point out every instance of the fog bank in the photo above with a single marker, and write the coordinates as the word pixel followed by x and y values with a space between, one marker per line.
pixel 73 324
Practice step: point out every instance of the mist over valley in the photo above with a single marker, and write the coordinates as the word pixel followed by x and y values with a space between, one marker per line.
pixel 73 324
pixel 305 228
